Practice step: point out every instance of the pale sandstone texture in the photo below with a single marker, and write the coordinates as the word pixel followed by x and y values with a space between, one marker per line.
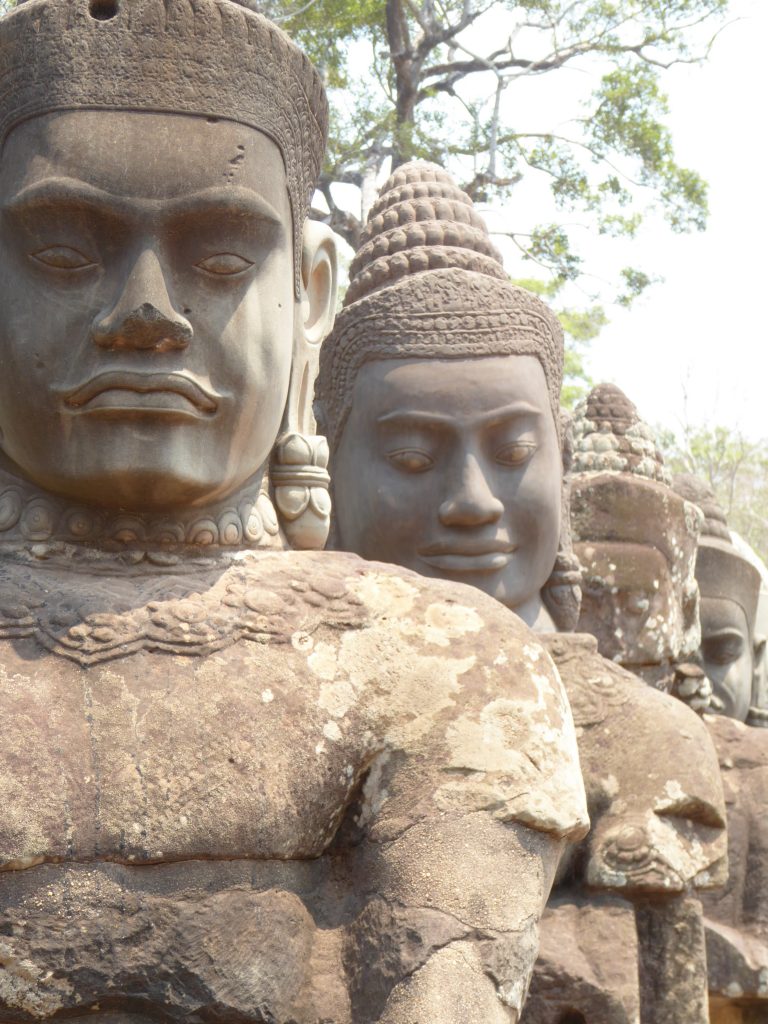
pixel 657 815
pixel 250 790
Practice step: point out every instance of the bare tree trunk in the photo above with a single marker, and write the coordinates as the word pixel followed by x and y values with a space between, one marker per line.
pixel 407 68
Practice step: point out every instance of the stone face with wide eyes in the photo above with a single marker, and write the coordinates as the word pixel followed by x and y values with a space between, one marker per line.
pixel 148 305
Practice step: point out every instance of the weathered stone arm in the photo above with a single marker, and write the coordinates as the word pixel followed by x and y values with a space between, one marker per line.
pixel 451 934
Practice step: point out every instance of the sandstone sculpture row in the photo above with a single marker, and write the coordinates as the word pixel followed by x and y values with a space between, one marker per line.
pixel 461 766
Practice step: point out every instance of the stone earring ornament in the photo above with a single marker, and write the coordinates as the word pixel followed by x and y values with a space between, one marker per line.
pixel 301 483
pixel 562 591
pixel 299 470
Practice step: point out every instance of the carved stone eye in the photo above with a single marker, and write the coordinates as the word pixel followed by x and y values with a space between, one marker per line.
pixel 63 257
pixel 515 454
pixel 225 264
pixel 411 460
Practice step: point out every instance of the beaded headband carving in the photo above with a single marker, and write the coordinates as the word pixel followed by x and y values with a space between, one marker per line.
pixel 210 58
pixel 427 282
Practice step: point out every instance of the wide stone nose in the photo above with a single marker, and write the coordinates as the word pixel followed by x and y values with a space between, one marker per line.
pixel 146 327
pixel 471 501
pixel 143 318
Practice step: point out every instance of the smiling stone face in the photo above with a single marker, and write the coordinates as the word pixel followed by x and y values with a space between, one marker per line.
pixel 148 305
pixel 451 467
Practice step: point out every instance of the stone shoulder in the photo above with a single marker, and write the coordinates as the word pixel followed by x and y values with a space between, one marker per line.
pixel 738 745
pixel 597 686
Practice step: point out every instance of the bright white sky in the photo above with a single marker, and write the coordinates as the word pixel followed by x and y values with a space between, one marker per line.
pixel 704 330
pixel 701 333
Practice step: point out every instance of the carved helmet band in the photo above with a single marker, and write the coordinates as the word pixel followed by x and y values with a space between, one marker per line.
pixel 211 58
pixel 427 282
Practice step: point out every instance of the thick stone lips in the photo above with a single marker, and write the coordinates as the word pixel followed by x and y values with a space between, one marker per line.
pixel 143 383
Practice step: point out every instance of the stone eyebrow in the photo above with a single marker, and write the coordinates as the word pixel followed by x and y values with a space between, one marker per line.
pixel 405 417
pixel 74 192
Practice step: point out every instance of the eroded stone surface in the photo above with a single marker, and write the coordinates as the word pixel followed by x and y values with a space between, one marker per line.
pixel 317 756
pixel 737 914
pixel 657 812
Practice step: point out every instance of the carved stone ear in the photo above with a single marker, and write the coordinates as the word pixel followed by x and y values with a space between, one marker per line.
pixel 319 281
pixel 562 591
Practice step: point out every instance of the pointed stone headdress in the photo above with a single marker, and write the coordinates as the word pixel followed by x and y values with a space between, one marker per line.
pixel 427 282
pixel 608 434
pixel 212 58
pixel 621 490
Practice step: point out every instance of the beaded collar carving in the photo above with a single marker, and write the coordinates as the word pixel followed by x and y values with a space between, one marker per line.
pixel 44 525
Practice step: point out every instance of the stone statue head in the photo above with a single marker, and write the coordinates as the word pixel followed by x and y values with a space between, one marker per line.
pixel 163 296
pixel 730 590
pixel 636 539
pixel 439 394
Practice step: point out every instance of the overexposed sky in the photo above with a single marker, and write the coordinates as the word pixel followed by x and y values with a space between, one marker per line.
pixel 694 347
pixel 703 332
pixel 706 328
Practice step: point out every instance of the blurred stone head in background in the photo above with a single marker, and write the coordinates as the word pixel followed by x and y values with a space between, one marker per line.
pixel 636 540
pixel 730 590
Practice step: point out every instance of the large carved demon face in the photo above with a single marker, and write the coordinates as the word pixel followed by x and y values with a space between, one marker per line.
pixel 147 305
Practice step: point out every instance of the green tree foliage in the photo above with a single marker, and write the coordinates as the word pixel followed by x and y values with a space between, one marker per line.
pixel 438 79
pixel 735 467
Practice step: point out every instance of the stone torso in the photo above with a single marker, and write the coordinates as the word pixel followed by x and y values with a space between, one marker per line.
pixel 151 715
pixel 192 754
pixel 149 719
pixel 655 804
pixel 737 915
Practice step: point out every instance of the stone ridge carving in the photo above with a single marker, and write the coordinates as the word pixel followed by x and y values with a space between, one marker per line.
pixel 59 56
pixel 193 611
pixel 609 435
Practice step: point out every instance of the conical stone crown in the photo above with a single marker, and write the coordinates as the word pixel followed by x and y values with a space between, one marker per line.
pixel 421 221
pixel 610 436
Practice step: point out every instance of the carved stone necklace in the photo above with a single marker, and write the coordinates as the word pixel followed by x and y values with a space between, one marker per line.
pixel 42 525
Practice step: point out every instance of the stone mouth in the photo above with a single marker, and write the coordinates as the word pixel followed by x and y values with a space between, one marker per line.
pixel 150 390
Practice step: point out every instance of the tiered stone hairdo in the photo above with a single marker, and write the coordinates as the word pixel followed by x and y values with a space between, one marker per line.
pixel 427 282
pixel 609 436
